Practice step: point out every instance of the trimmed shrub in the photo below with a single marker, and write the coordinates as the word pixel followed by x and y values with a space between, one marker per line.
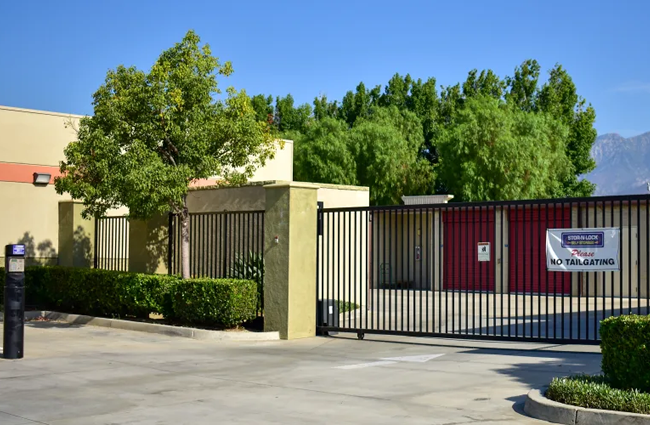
pixel 626 351
pixel 120 294
pixel 595 392
pixel 250 267
pixel 225 302
pixel 97 292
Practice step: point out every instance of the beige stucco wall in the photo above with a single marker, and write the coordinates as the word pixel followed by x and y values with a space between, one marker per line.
pixel 30 215
pixel 251 197
pixel 278 168
pixel 340 196
pixel 289 287
pixel 246 198
pixel 34 137
pixel 76 236
pixel 147 242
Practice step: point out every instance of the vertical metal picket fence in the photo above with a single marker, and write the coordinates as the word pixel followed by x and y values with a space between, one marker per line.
pixel 111 243
pixel 419 270
pixel 222 245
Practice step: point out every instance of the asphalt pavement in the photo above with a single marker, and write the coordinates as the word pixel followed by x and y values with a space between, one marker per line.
pixel 84 375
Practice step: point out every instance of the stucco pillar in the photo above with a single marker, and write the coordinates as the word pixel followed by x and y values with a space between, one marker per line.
pixel 76 236
pixel 290 259
pixel 148 245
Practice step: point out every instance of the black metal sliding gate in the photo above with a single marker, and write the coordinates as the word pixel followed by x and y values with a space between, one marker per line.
pixel 477 270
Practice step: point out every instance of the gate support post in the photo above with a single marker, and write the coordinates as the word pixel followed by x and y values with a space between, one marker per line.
pixel 76 236
pixel 290 259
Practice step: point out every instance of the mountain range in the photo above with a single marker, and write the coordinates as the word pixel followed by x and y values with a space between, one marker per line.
pixel 622 164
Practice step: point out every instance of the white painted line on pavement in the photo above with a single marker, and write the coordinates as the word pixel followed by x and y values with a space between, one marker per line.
pixel 414 359
pixel 391 360
pixel 365 365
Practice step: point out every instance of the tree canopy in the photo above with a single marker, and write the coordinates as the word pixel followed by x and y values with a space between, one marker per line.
pixel 153 133
pixel 493 152
pixel 403 138
pixel 386 141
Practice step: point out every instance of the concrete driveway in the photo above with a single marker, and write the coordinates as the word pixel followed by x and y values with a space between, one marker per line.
pixel 88 375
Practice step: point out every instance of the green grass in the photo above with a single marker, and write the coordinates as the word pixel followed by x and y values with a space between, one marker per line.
pixel 345 306
pixel 595 392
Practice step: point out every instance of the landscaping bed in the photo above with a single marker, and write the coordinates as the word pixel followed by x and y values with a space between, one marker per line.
pixel 596 392
pixel 625 383
pixel 214 304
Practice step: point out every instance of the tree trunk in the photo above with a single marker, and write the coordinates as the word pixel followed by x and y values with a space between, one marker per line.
pixel 185 241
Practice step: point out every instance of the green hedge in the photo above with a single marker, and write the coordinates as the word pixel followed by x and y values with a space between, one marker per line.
pixel 595 392
pixel 206 301
pixel 119 294
pixel 625 344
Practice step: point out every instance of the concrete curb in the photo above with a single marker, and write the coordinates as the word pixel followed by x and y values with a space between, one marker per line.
pixel 540 407
pixel 200 334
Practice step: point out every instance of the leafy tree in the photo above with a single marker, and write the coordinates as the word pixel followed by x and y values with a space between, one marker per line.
pixel 322 156
pixel 263 107
pixel 495 152
pixel 355 105
pixel 153 133
pixel 325 109
pixel 379 151
pixel 424 102
pixel 487 83
pixel 559 98
pixel 371 113
pixel 450 100
pixel 523 86
pixel 396 92
pixel 291 118
pixel 386 149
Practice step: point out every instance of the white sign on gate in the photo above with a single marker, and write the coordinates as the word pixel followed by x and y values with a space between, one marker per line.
pixel 583 250
pixel 484 251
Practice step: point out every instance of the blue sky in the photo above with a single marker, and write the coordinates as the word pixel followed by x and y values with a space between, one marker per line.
pixel 54 55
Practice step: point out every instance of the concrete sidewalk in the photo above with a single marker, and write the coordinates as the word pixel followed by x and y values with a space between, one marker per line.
pixel 86 375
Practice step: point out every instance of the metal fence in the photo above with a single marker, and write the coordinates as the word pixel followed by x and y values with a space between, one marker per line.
pixel 112 243
pixel 415 270
pixel 222 245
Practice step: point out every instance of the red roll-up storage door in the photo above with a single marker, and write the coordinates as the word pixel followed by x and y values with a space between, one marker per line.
pixel 527 249
pixel 464 228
